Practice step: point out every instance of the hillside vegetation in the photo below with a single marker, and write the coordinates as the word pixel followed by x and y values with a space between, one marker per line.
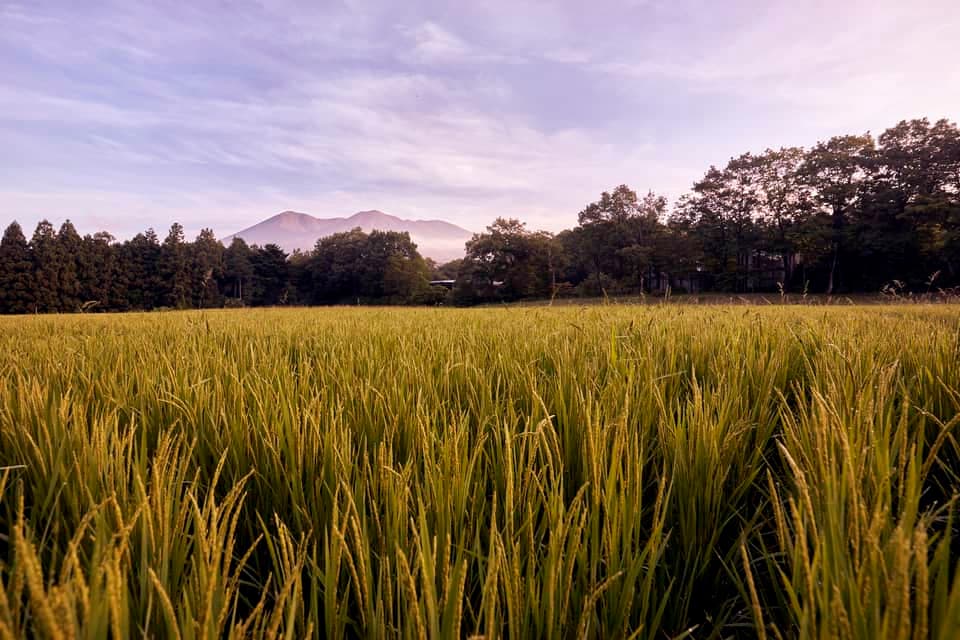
pixel 600 472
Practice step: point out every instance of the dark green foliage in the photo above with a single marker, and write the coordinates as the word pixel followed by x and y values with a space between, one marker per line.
pixel 271 276
pixel 69 249
pixel 16 272
pixel 238 271
pixel 175 271
pixel 354 266
pixel 139 271
pixel 45 252
pixel 508 262
pixel 206 269
pixel 97 270
pixel 850 214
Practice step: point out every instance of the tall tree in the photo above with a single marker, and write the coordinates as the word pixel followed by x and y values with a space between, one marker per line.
pixel 300 277
pixel 785 209
pixel 70 248
pixel 16 272
pixel 138 272
pixel 97 270
pixel 238 271
pixel 335 267
pixel 206 269
pixel 722 213
pixel 46 268
pixel 909 201
pixel 835 170
pixel 616 236
pixel 508 262
pixel 938 215
pixel 175 269
pixel 271 276
pixel 354 266
pixel 405 276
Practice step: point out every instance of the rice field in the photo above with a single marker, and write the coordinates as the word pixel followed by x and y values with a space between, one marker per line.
pixel 578 472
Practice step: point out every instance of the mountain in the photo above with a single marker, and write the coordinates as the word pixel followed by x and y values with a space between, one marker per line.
pixel 291 230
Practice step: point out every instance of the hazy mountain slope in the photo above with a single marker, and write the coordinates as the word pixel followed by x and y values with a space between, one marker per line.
pixel 291 230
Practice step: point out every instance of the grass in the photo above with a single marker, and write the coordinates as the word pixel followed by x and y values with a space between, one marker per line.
pixel 608 471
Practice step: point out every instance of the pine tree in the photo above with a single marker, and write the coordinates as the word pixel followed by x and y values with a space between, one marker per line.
pixel 138 263
pixel 206 269
pixel 70 248
pixel 175 269
pixel 271 275
pixel 97 270
pixel 46 268
pixel 16 272
pixel 238 271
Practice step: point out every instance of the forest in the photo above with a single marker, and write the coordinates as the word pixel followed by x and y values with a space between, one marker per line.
pixel 855 213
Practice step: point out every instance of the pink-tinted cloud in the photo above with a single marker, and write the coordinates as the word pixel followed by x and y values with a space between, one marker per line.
pixel 132 114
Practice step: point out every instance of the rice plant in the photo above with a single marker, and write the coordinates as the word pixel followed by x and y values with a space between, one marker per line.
pixel 592 472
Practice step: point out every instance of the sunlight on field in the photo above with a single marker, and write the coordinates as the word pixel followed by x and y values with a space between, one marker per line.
pixel 600 471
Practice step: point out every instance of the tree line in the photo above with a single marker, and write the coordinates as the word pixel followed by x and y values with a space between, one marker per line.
pixel 62 271
pixel 853 213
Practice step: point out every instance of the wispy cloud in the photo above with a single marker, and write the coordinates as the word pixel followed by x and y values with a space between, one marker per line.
pixel 432 44
pixel 221 115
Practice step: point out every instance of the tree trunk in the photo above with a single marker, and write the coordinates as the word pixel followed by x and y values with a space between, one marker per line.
pixel 787 270
pixel 838 224
pixel 833 268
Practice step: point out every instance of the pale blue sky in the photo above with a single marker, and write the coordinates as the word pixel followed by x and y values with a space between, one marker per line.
pixel 125 115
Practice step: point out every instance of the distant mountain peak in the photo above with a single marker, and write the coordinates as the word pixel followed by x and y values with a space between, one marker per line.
pixel 374 215
pixel 437 239
pixel 292 221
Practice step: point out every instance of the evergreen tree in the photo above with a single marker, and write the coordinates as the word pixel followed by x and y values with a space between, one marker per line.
pixel 271 274
pixel 46 268
pixel 206 269
pixel 16 272
pixel 238 271
pixel 175 269
pixel 138 264
pixel 97 271
pixel 70 246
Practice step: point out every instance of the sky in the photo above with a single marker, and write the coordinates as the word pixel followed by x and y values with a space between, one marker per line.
pixel 123 115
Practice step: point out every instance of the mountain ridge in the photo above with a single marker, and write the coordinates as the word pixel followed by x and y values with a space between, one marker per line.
pixel 291 230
